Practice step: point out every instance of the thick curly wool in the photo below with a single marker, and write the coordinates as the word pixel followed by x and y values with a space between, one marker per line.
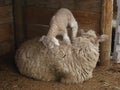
pixel 67 63
pixel 78 65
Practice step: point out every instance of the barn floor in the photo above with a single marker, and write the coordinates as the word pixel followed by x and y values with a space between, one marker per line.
pixel 11 79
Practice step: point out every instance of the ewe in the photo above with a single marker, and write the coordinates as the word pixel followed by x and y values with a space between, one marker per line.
pixel 68 63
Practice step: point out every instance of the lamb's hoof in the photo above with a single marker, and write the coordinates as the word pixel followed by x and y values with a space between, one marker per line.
pixel 57 44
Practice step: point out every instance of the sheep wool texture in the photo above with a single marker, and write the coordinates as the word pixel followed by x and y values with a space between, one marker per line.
pixel 67 63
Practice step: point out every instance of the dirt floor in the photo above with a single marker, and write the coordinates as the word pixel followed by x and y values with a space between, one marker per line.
pixel 11 79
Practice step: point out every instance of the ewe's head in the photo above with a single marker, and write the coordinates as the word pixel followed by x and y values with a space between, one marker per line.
pixel 92 36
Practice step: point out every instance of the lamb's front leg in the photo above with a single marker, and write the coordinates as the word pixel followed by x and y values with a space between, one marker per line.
pixel 74 27
pixel 66 37
pixel 55 40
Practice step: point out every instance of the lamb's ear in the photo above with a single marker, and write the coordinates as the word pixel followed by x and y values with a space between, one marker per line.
pixel 102 38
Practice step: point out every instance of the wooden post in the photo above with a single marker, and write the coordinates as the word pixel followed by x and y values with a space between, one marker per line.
pixel 18 22
pixel 106 28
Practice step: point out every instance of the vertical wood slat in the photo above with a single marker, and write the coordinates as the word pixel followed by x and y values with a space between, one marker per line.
pixel 5 32
pixel 6 14
pixel 18 21
pixel 106 28
pixel 6 47
pixel 6 28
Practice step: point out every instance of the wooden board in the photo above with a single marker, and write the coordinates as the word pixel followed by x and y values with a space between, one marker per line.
pixel 81 5
pixel 5 2
pixel 6 47
pixel 6 27
pixel 5 14
pixel 88 20
pixel 35 15
pixel 5 32
pixel 34 30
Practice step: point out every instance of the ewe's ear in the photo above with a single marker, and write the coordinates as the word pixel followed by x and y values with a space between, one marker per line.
pixel 82 31
pixel 42 38
pixel 102 38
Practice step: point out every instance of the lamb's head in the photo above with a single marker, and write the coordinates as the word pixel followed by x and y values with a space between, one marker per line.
pixel 93 37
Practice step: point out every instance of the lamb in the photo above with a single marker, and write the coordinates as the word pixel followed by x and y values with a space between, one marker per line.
pixel 58 26
pixel 67 63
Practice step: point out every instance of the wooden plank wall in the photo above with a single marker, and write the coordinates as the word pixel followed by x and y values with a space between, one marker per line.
pixel 39 12
pixel 6 27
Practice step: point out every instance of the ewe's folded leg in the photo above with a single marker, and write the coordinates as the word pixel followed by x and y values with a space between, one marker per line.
pixel 71 79
pixel 49 78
